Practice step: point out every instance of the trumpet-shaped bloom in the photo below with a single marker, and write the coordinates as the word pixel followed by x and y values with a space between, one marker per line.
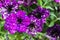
pixel 17 22
pixel 54 31
pixel 8 6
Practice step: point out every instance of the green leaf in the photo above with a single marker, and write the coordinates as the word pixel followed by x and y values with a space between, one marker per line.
pixel 39 2
pixel 48 7
pixel 51 23
pixel 53 16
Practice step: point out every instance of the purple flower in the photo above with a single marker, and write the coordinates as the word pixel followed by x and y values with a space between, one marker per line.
pixel 54 31
pixel 8 6
pixel 17 22
pixel 58 1
pixel 40 14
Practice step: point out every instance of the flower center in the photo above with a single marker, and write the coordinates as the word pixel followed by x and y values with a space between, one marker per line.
pixel 9 8
pixel 31 25
pixel 19 20
pixel 38 15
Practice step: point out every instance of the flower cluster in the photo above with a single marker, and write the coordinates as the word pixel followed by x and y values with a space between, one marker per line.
pixel 20 21
pixel 38 18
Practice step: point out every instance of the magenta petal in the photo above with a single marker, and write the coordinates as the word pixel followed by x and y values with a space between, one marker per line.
pixel 22 28
pixel 0 4
pixel 58 1
pixel 26 21
pixel 12 31
pixel 21 13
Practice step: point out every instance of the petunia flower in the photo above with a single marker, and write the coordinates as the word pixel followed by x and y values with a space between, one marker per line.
pixel 54 31
pixel 8 6
pixel 17 22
